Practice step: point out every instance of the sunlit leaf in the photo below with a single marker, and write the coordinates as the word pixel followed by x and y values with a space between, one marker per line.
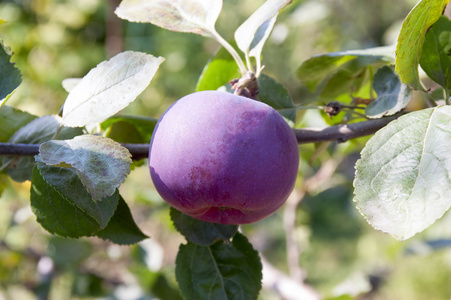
pixel 35 132
pixel 10 76
pixel 177 15
pixel 66 182
pixel 219 70
pixel 220 271
pixel 402 180
pixel 101 163
pixel 411 39
pixel 246 34
pixel 435 59
pixel 200 232
pixel 122 229
pixel 70 83
pixel 333 74
pixel 109 87
pixel 392 94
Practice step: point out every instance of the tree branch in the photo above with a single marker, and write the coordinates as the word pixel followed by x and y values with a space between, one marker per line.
pixel 138 151
pixel 340 133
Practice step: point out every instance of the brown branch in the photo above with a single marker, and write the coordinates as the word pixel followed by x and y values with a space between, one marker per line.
pixel 340 133
pixel 138 151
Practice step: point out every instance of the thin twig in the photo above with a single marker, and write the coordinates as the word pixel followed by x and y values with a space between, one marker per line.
pixel 341 133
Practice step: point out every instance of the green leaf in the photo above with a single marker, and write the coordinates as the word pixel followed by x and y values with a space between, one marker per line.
pixel 101 163
pixel 129 129
pixel 35 132
pixel 11 119
pixel 221 69
pixel 255 30
pixel 411 39
pixel 66 182
pixel 199 232
pixel 392 94
pixel 122 229
pixel 402 180
pixel 220 271
pixel 10 77
pixel 435 59
pixel 276 95
pixel 58 211
pixel 197 17
pixel 333 74
pixel 109 87
pixel 57 215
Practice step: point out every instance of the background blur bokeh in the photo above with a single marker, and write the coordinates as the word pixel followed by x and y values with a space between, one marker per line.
pixel 340 255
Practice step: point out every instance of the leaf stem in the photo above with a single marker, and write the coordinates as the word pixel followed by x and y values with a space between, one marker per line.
pixel 231 50
pixel 3 167
pixel 430 100
pixel 57 133
pixel 447 102
pixel 248 62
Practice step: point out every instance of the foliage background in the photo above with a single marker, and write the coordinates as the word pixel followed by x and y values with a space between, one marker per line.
pixel 341 254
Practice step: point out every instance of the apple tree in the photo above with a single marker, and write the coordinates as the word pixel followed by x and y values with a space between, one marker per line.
pixel 227 155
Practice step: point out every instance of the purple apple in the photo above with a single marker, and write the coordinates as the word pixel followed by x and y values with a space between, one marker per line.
pixel 223 158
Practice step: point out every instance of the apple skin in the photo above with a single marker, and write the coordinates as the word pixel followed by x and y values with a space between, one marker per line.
pixel 223 158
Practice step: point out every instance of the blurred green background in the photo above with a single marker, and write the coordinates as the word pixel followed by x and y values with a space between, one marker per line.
pixel 339 254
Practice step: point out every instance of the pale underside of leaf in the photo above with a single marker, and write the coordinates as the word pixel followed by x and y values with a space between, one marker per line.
pixel 403 179
pixel 109 87
pixel 101 163
pixel 392 94
pixel 390 103
pixel 197 17
pixel 245 34
pixel 262 34
pixel 70 83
